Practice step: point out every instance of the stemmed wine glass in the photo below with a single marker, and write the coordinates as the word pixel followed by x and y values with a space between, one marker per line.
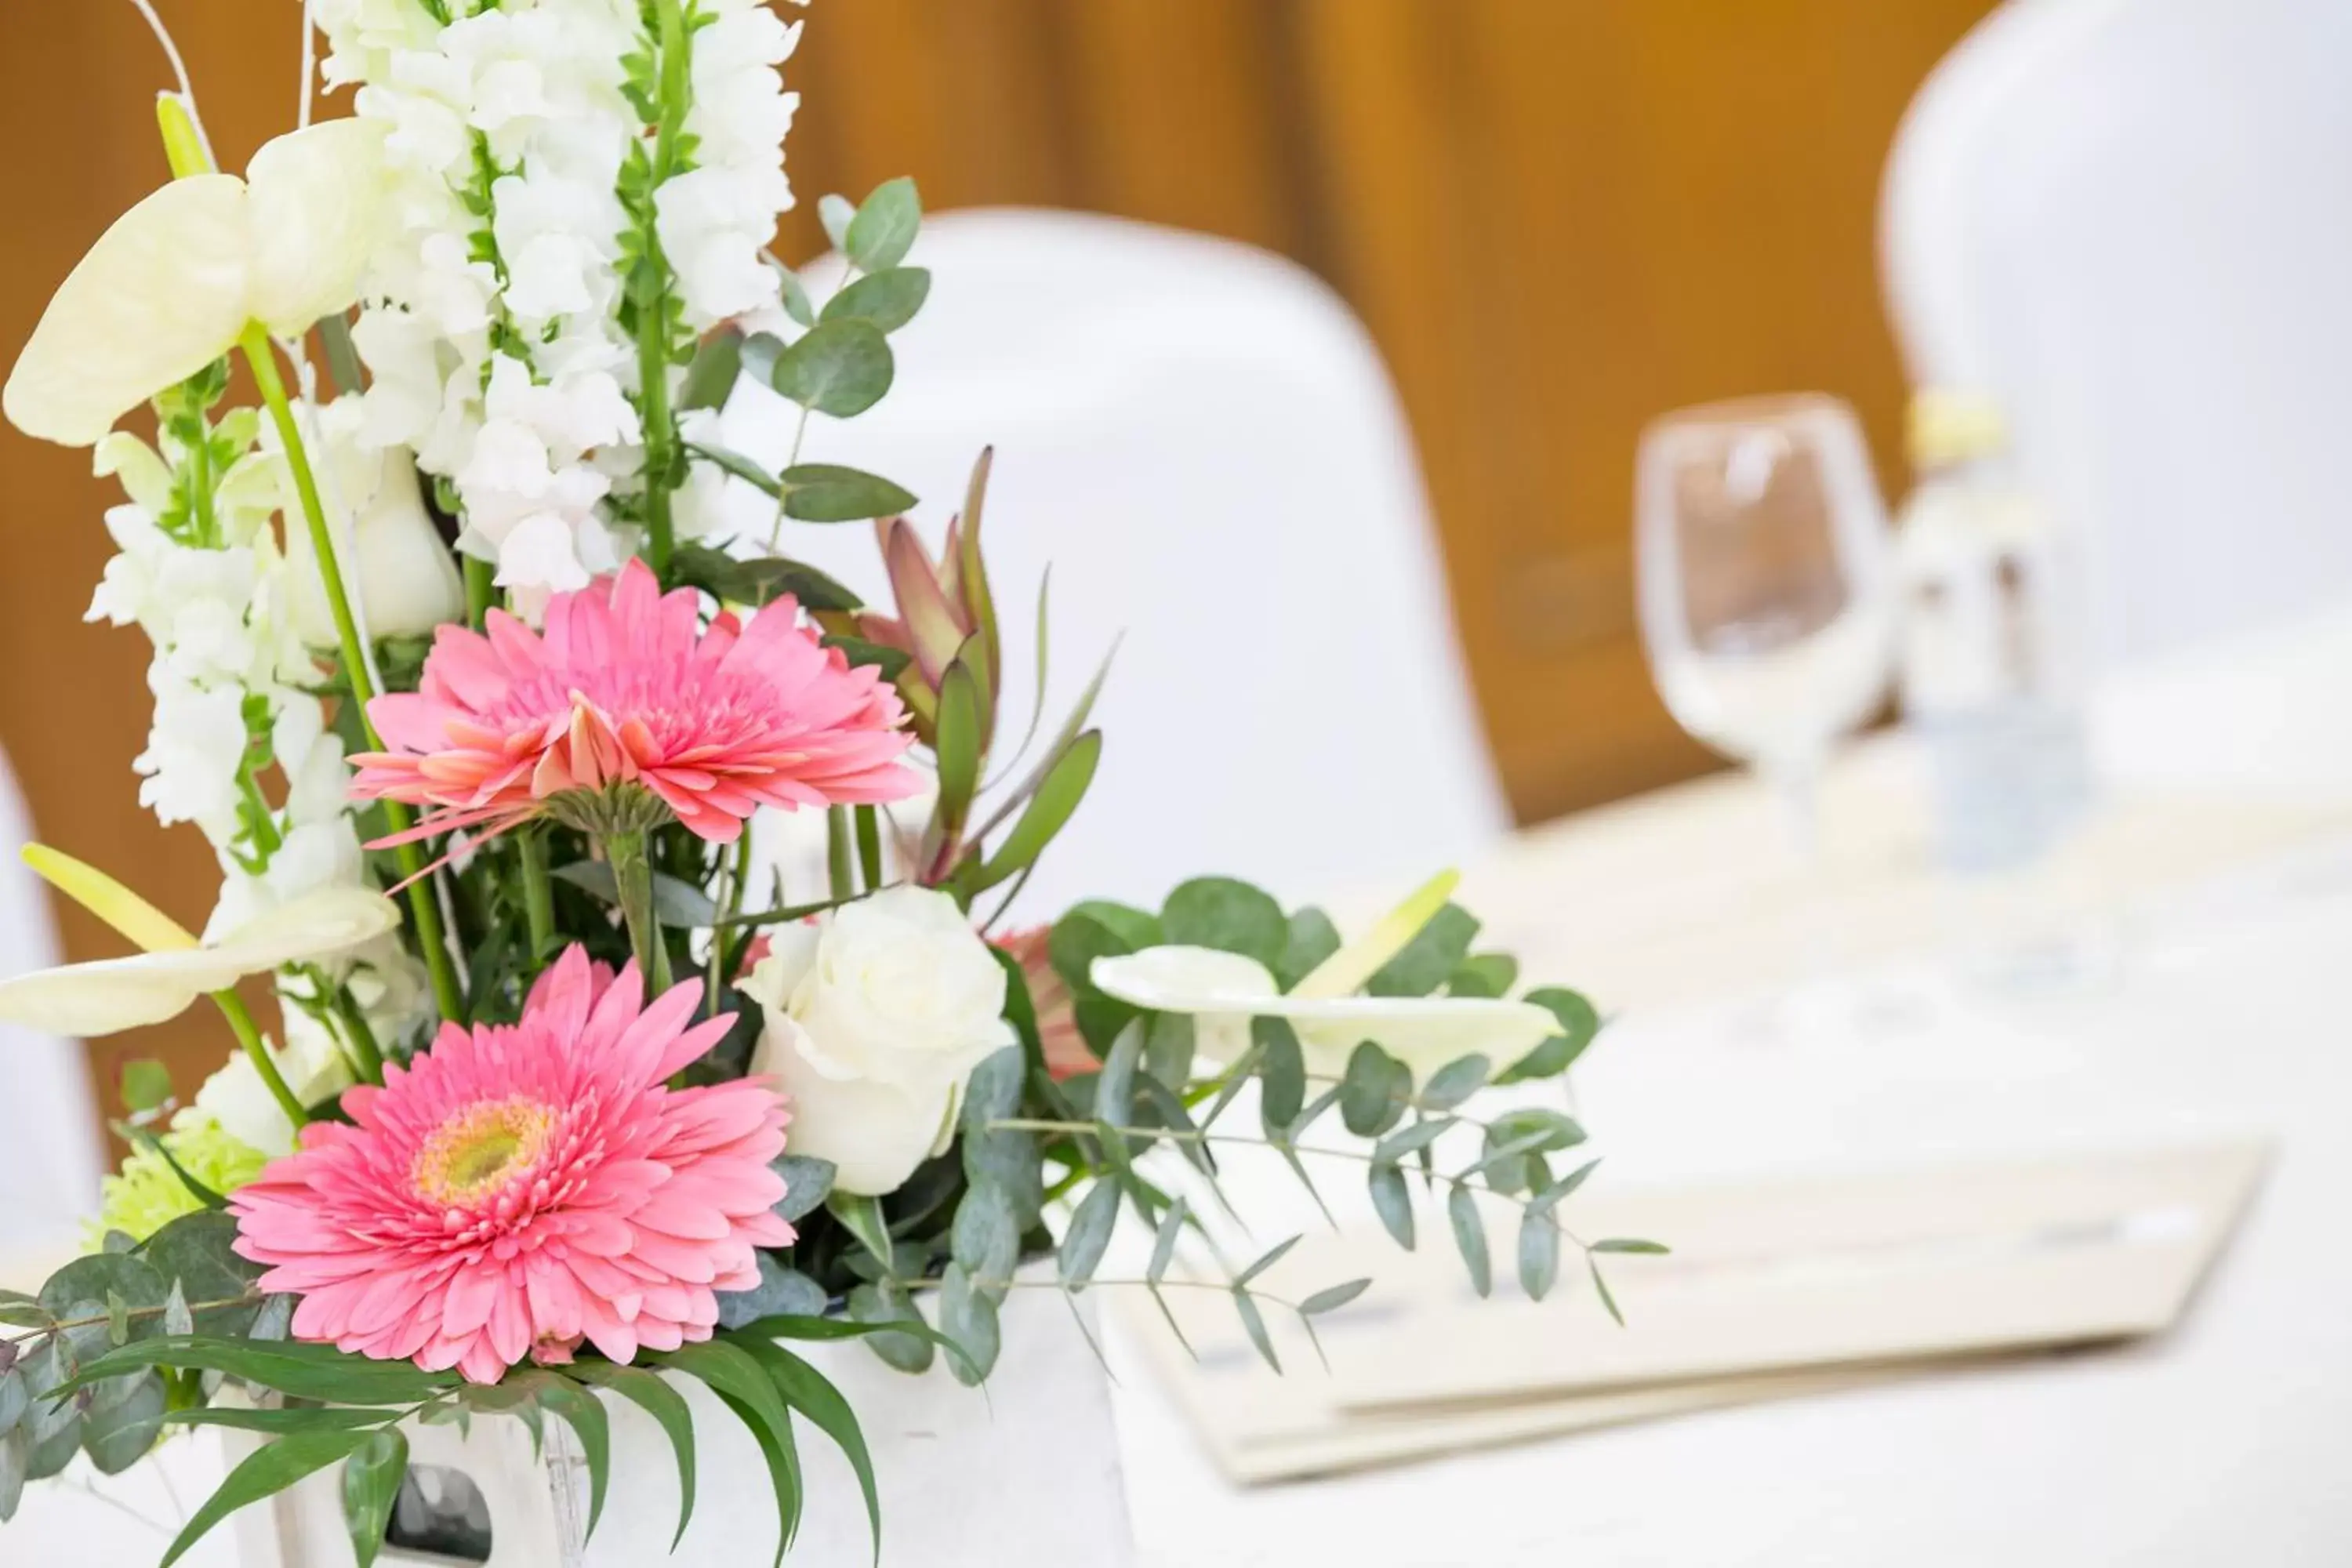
pixel 1768 589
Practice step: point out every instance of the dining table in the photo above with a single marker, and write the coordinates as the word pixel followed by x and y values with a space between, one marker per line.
pixel 2173 968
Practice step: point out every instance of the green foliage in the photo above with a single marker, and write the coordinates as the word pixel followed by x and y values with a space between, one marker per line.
pixel 1578 1024
pixel 1470 1237
pixel 758 582
pixel 146 1084
pixel 1429 959
pixel 267 1471
pixel 886 300
pixel 1090 1235
pixel 1313 937
pixel 884 227
pixel 842 368
pixel 372 1479
pixel 1230 915
pixel 829 492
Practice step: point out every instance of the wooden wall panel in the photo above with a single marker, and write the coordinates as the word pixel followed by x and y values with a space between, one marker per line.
pixel 1558 217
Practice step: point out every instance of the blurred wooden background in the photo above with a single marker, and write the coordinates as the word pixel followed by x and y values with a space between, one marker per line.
pixel 1559 217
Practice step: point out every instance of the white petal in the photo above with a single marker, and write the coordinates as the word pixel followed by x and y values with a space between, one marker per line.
pixel 161 296
pixel 115 993
pixel 1187 980
pixel 312 926
pixel 1424 1032
pixel 316 208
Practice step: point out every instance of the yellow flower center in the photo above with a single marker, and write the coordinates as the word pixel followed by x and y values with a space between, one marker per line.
pixel 480 1148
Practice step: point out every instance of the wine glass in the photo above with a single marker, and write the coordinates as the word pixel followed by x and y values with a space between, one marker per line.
pixel 1767 585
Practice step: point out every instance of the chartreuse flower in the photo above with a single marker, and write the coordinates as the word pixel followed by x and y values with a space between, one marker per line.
pixel 1222 991
pixel 146 1194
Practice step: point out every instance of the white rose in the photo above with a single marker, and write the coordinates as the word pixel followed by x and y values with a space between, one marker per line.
pixel 313 1067
pixel 875 1019
pixel 395 562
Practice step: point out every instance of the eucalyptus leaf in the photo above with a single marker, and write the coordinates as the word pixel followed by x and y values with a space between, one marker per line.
pixel 888 299
pixel 1455 1082
pixel 1372 1090
pixel 829 492
pixel 741 467
pixel 1411 1140
pixel 14 1400
pixel 968 1315
pixel 1432 955
pixel 1083 1243
pixel 1098 929
pixel 884 227
pixel 1253 1324
pixel 717 363
pixel 1227 914
pixel 1282 1070
pixel 781 1291
pixel 860 652
pixel 1272 1256
pixel 1627 1244
pixel 884 1305
pixel 1332 1297
pixel 1552 1196
pixel 1484 974
pixel 1313 937
pixel 1115 1085
pixel 1538 1254
pixel 1163 1243
pixel 840 368
pixel 81 1290
pixel 118 1432
pixel 51 1450
pixel 808 1182
pixel 1392 1201
pixel 1578 1024
pixel 372 1479
pixel 199 1252
pixel 1600 1286
pixel 836 213
pixel 15 1451
pixel 986 1236
pixel 1470 1237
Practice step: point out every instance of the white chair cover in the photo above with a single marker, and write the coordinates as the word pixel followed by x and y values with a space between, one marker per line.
pixel 1202 442
pixel 2129 221
pixel 48 1143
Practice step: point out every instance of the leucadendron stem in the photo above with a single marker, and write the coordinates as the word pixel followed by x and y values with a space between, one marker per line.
pixel 632 879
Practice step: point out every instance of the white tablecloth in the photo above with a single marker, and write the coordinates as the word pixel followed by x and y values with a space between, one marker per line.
pixel 2222 1443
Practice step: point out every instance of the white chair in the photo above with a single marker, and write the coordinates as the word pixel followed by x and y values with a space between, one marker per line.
pixel 1202 443
pixel 49 1161
pixel 2130 222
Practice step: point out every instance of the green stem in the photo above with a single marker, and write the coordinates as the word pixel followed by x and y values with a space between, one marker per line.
pixel 538 893
pixel 632 877
pixel 248 1034
pixel 652 314
pixel 363 1042
pixel 422 911
pixel 481 590
pixel 869 847
pixel 836 853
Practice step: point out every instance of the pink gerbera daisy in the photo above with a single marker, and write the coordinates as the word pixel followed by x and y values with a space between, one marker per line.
pixel 522 1188
pixel 627 705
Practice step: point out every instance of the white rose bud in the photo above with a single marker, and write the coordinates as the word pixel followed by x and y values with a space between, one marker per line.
pixel 313 1067
pixel 876 1018
pixel 394 566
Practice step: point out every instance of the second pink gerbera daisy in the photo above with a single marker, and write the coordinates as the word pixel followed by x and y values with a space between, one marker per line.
pixel 626 700
pixel 520 1189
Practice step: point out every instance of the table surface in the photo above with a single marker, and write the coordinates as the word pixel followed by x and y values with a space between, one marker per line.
pixel 2215 889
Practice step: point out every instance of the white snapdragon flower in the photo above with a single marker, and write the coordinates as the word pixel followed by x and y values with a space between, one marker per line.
pixel 188 771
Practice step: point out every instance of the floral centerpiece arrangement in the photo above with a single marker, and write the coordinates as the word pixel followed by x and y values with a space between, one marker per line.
pixel 457 672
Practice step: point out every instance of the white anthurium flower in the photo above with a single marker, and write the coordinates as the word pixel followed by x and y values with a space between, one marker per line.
pixel 876 1017
pixel 176 281
pixel 1222 992
pixel 161 982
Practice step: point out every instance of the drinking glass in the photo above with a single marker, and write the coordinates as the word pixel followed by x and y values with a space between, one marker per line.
pixel 1768 591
